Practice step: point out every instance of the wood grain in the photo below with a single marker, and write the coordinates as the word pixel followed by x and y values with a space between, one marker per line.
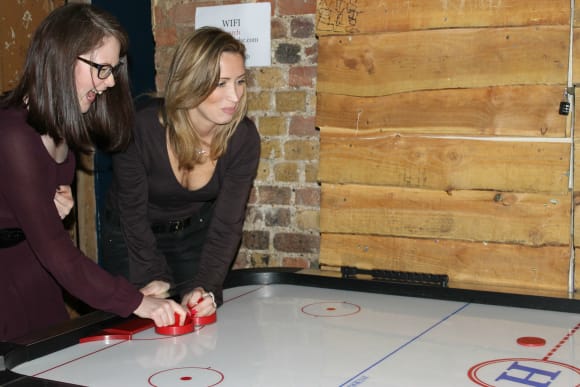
pixel 388 63
pixel 369 16
pixel 530 110
pixel 444 164
pixel 466 263
pixel 526 219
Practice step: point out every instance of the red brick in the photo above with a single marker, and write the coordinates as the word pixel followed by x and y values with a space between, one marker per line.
pixel 302 76
pixel 159 17
pixel 165 36
pixel 295 262
pixel 302 126
pixel 296 7
pixel 256 240
pixel 274 195
pixel 302 27
pixel 308 197
pixel 278 29
pixel 184 13
pixel 297 243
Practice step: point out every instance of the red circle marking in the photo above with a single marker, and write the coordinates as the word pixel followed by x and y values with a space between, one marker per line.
pixel 529 341
pixel 209 374
pixel 342 310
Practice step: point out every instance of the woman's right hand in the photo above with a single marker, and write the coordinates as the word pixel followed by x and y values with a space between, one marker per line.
pixel 161 311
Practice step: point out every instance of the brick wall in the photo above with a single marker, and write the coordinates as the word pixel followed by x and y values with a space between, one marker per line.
pixel 282 226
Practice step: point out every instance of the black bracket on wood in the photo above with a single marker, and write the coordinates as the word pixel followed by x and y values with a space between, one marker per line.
pixel 400 277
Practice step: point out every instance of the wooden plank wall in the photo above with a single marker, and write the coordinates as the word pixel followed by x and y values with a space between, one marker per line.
pixel 442 146
pixel 18 21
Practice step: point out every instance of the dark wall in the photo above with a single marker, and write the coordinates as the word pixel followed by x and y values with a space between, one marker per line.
pixel 135 16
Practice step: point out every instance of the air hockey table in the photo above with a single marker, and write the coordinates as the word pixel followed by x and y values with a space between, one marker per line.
pixel 298 328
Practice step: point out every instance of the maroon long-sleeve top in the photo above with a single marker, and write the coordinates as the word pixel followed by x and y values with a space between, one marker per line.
pixel 32 272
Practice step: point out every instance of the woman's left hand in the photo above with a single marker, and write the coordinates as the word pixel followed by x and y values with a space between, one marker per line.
pixel 63 200
pixel 156 288
pixel 200 302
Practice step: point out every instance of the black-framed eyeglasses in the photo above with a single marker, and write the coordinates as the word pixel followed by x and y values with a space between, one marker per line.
pixel 103 70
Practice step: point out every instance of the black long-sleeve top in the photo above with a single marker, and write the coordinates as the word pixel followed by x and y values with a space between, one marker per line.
pixel 145 190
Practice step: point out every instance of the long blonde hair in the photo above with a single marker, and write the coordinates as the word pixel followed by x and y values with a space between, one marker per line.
pixel 193 75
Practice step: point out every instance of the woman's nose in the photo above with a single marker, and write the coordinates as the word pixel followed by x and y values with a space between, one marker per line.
pixel 110 80
pixel 235 93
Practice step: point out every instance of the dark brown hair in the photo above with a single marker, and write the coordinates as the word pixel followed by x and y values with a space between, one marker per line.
pixel 47 86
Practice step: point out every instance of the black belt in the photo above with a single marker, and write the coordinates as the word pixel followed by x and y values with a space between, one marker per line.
pixel 11 237
pixel 171 226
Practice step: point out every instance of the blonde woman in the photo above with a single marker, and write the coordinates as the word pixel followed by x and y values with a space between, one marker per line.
pixel 177 202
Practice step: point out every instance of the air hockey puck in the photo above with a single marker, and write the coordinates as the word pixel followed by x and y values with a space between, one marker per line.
pixel 205 320
pixel 529 341
pixel 176 329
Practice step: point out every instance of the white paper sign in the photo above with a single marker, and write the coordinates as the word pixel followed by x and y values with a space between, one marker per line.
pixel 248 22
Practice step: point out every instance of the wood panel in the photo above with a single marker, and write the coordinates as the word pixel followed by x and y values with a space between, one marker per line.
pixel 86 207
pixel 576 185
pixel 577 271
pixel 369 16
pixel 444 164
pixel 18 20
pixel 388 63
pixel 442 148
pixel 530 110
pixel 520 266
pixel 485 216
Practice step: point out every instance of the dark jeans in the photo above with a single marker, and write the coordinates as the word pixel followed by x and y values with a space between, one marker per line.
pixel 182 249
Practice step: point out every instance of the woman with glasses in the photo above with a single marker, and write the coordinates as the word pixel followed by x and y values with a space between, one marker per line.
pixel 177 201
pixel 73 95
